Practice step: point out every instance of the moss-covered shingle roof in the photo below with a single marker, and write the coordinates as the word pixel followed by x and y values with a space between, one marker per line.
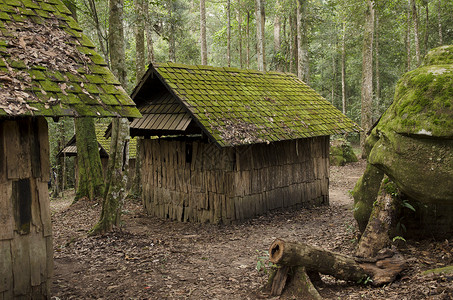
pixel 70 149
pixel 237 107
pixel 49 67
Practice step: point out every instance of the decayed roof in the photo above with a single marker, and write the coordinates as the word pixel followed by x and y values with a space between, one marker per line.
pixel 49 67
pixel 236 107
pixel 70 149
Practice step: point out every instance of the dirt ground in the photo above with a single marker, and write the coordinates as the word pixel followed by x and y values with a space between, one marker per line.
pixel 150 258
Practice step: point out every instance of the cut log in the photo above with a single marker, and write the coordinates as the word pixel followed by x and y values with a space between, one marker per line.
pixel 376 234
pixel 382 269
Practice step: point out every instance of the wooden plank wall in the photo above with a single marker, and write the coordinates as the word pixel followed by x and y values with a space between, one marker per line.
pixel 26 251
pixel 199 182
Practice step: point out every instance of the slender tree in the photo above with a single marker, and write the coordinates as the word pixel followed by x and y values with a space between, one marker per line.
pixel 343 68
pixel 408 38
pixel 239 19
pixel 367 74
pixel 277 29
pixel 376 58
pixel 228 33
pixel 302 44
pixel 439 22
pixel 139 40
pixel 117 168
pixel 102 39
pixel 416 33
pixel 90 183
pixel 260 36
pixel 204 50
pixel 149 37
pixel 171 32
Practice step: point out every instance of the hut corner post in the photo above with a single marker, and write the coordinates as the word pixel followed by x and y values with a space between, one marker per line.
pixel 26 250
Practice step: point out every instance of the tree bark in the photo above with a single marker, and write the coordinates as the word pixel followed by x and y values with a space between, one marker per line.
pixel 382 269
pixel 90 183
pixel 116 40
pixel 139 40
pixel 204 51
pixel 408 38
pixel 439 22
pixel 149 37
pixel 101 36
pixel 376 234
pixel 117 171
pixel 239 18
pixel 302 41
pixel 367 75
pixel 260 21
pixel 247 32
pixel 171 33
pixel 416 33
pixel 378 83
pixel 277 37
pixel 343 69
pixel 228 33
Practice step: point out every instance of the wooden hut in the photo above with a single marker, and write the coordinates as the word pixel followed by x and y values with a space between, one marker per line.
pixel 70 150
pixel 48 68
pixel 232 144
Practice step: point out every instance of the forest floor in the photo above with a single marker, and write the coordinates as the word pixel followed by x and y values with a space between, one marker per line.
pixel 150 258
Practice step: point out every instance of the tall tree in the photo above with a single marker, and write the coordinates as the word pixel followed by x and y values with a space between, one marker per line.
pixel 260 35
pixel 139 40
pixel 408 38
pixel 302 41
pixel 277 29
pixel 367 74
pixel 149 36
pixel 204 49
pixel 439 22
pixel 171 32
pixel 117 168
pixel 376 57
pixel 239 19
pixel 90 183
pixel 343 69
pixel 102 38
pixel 228 33
pixel 416 33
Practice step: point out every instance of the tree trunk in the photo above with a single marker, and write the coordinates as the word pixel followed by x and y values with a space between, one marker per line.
pixel 382 269
pixel 90 181
pixel 116 40
pixel 101 36
pixel 367 74
pixel 302 41
pixel 260 21
pixel 228 34
pixel 343 69
pixel 149 37
pixel 117 171
pixel 293 43
pixel 376 234
pixel 416 33
pixel 425 42
pixel 239 18
pixel 204 49
pixel 171 33
pixel 247 32
pixel 139 40
pixel 408 38
pixel 439 22
pixel 277 37
pixel 378 83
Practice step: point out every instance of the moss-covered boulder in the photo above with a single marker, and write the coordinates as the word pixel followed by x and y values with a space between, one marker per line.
pixel 341 152
pixel 413 144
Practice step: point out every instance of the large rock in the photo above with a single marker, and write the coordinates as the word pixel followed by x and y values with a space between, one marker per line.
pixel 413 145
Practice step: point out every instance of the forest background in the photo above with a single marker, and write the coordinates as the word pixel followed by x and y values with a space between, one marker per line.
pixel 352 52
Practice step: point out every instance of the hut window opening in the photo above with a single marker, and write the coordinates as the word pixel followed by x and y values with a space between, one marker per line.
pixel 22 205
pixel 189 151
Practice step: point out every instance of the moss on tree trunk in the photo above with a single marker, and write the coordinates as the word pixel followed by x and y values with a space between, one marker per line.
pixel 116 178
pixel 90 180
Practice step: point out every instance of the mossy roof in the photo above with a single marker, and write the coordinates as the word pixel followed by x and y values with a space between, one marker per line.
pixel 236 107
pixel 70 149
pixel 48 67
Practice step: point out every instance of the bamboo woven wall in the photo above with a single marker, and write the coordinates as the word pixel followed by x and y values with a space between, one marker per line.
pixel 26 253
pixel 199 182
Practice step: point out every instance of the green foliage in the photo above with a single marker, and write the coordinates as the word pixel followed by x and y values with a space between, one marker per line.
pixel 262 262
